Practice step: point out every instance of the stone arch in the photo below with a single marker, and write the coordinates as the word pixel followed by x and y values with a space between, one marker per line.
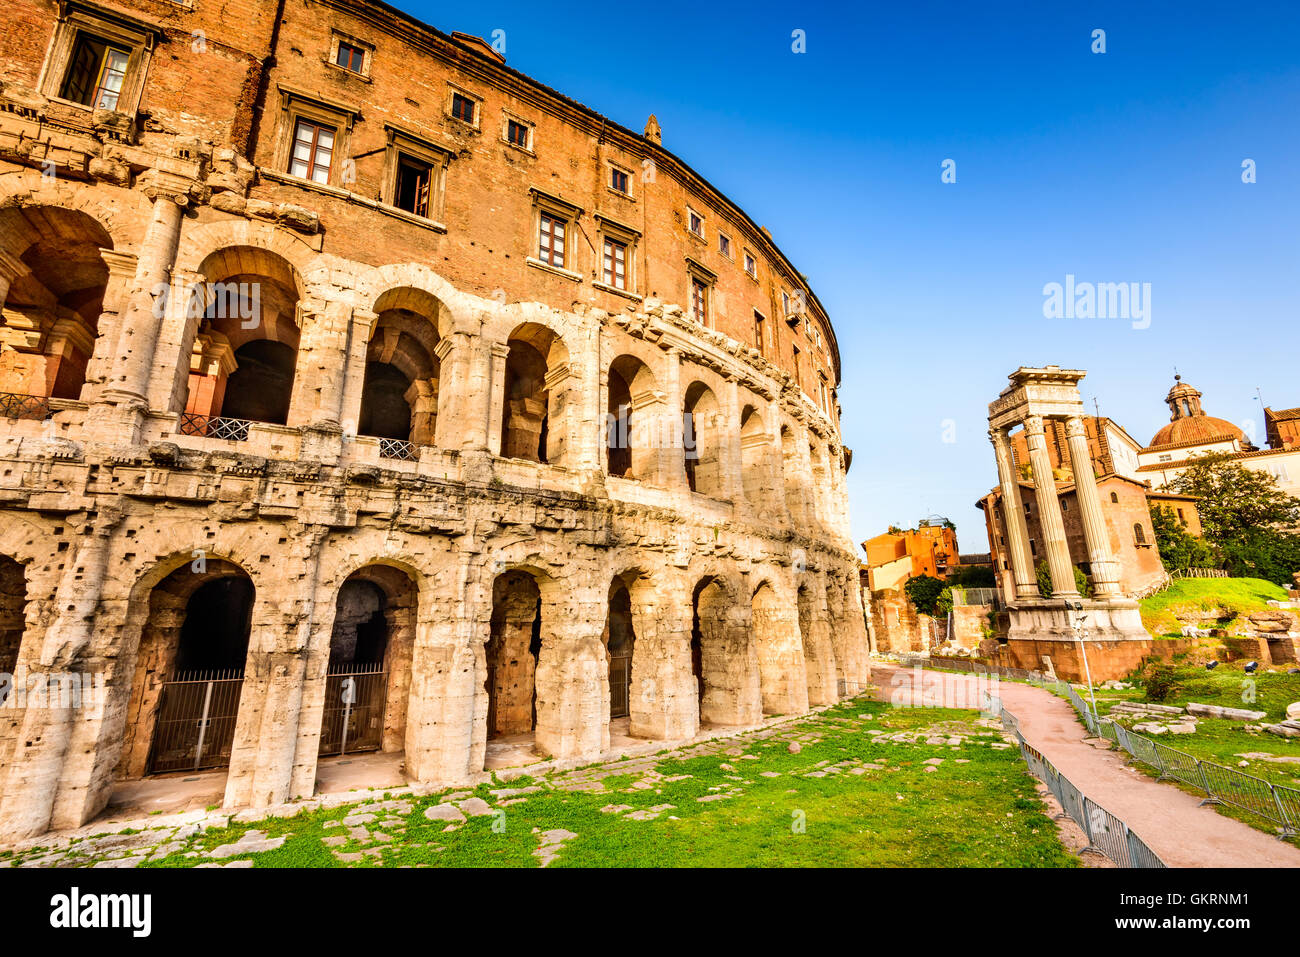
pixel 195 622
pixel 244 351
pixel 414 287
pixel 513 648
pixel 724 659
pixel 400 397
pixel 368 663
pixel 632 419
pixel 756 464
pixel 780 649
pixel 702 429
pixel 199 243
pixel 53 284
pixel 820 660
pixel 536 395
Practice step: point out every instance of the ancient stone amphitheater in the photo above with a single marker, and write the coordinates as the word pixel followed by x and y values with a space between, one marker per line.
pixel 346 408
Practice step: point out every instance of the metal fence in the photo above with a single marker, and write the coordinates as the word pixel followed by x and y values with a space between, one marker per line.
pixel 1276 803
pixel 214 427
pixel 17 406
pixel 1106 834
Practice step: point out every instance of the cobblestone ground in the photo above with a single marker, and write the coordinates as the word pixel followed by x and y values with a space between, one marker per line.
pixel 860 783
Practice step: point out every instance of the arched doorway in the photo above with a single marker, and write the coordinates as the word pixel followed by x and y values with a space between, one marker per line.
pixel 245 352
pixel 619 639
pixel 399 403
pixel 189 671
pixel 533 423
pixel 13 618
pixel 50 311
pixel 780 652
pixel 722 658
pixel 369 672
pixel 701 438
pixel 630 434
pixel 514 644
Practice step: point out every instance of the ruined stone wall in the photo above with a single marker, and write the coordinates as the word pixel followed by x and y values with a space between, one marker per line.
pixel 119 503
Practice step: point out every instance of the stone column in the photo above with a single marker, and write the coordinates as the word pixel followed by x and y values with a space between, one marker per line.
pixel 1049 511
pixel 11 268
pixel 562 408
pixel 174 347
pixel 328 363
pixel 1022 566
pixel 128 385
pixel 499 355
pixel 340 403
pixel 1105 570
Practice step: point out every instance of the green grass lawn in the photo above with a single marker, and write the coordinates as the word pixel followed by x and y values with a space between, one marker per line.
pixel 1235 596
pixel 847 799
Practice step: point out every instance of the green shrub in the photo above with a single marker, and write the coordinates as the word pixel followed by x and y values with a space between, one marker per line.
pixel 1160 681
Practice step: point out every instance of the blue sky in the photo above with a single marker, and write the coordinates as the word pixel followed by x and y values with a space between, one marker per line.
pixel 1117 167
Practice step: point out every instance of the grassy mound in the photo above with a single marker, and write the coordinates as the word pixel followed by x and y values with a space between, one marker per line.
pixel 1229 598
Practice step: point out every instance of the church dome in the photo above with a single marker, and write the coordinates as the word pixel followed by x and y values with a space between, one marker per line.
pixel 1188 423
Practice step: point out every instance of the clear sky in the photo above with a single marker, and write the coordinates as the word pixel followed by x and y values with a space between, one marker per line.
pixel 1123 166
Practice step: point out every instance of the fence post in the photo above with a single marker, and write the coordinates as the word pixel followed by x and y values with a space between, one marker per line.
pixel 1288 829
pixel 1205 784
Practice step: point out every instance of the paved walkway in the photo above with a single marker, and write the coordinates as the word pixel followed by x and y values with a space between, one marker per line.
pixel 1169 820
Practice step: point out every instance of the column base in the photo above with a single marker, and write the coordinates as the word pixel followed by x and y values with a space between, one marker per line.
pixel 1116 643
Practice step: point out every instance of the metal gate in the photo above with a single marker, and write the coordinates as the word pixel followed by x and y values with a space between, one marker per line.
pixel 195 728
pixel 354 709
pixel 620 686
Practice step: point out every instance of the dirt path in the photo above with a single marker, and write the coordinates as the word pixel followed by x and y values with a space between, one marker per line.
pixel 1169 820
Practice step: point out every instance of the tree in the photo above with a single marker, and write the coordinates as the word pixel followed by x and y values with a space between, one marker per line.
pixel 1245 516
pixel 1235 500
pixel 1179 549
pixel 1044 574
pixel 923 592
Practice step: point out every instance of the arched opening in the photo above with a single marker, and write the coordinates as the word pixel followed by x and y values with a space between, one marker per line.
pixel 399 401
pixel 780 653
pixel 630 436
pixel 754 469
pixel 514 644
pixel 701 439
pixel 1114 497
pixel 533 424
pixel 52 286
pixel 619 638
pixel 819 484
pixel 722 658
pixel 795 498
pixel 189 671
pixel 13 618
pixel 245 351
pixel 818 654
pixel 369 671
pixel 1139 534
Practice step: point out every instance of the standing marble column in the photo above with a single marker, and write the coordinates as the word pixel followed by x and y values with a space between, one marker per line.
pixel 1022 565
pixel 1049 511
pixel 1105 570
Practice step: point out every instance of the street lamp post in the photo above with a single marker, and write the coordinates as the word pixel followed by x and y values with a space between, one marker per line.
pixel 1079 624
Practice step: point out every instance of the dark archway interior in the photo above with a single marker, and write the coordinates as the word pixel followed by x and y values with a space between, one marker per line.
pixel 514 645
pixel 360 635
pixel 260 388
pixel 620 413
pixel 13 611
pixel 385 411
pixel 218 619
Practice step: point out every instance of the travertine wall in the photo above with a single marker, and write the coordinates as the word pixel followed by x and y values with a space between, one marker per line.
pixel 119 503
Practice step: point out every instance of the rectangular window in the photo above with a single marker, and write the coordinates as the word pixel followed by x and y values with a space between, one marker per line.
pixel 517 133
pixel 462 107
pixel 785 303
pixel 821 389
pixel 96 75
pixel 350 58
pixel 700 301
pixel 313 149
pixel 615 264
pixel 751 264
pixel 551 245
pixel 695 222
pixel 794 354
pixel 618 181
pixel 1166 458
pixel 724 244
pixel 414 179
pixel 758 331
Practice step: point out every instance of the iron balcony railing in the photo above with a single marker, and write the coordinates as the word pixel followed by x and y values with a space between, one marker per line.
pixel 214 427
pixel 399 449
pixel 14 405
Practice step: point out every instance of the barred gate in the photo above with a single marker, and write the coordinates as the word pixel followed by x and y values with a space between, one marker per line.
pixel 620 686
pixel 354 709
pixel 195 727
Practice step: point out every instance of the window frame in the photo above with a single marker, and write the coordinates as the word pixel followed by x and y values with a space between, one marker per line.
pixel 628 178
pixel 402 143
pixel 529 127
pixel 554 207
pixel 611 230
pixel 691 215
pixel 454 91
pixel 747 258
pixel 312 161
pixel 296 105
pixel 728 251
pixel 77 19
pixel 697 273
pixel 339 39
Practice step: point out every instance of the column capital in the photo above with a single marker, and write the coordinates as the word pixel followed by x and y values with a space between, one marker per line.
pixel 1074 427
pixel 1034 426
